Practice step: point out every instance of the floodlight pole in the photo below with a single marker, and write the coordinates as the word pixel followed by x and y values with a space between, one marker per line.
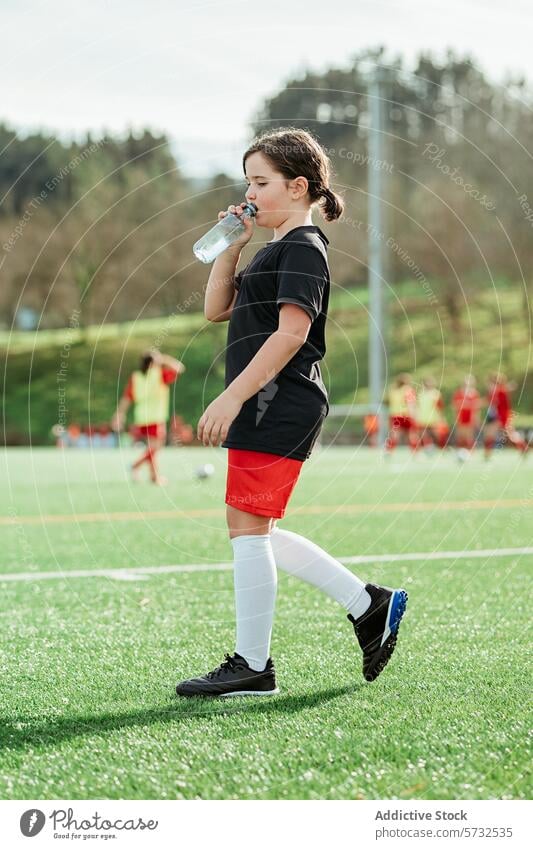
pixel 376 241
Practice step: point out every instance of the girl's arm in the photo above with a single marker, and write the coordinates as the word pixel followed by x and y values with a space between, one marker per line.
pixel 220 290
pixel 119 416
pixel 167 361
pixel 279 348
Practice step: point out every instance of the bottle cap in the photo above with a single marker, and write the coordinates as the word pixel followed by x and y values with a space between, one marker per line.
pixel 249 209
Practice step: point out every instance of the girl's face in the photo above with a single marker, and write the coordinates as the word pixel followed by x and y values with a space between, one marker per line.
pixel 274 195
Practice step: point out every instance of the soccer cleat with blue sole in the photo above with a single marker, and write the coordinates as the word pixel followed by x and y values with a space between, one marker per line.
pixel 377 629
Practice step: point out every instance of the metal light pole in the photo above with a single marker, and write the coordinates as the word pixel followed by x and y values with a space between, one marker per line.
pixel 376 241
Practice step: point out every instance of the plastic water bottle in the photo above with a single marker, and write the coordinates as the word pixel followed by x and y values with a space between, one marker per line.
pixel 222 235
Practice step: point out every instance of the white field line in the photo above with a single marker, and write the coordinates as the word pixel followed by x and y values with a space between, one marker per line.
pixel 144 572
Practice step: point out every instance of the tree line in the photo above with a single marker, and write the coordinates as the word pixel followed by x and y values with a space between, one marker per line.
pixel 105 226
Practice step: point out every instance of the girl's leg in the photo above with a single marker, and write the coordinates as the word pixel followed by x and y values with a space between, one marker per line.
pixel 392 439
pixel 303 559
pixel 239 522
pixel 255 581
pixel 515 439
pixel 143 459
pixel 375 612
pixel 413 436
pixel 465 437
pixel 460 436
pixel 154 445
pixel 491 432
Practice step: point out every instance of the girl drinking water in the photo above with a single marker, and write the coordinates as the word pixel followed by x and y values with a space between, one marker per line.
pixel 272 410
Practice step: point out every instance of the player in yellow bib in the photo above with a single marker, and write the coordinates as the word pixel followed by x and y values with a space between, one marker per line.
pixel 402 412
pixel 432 426
pixel 148 390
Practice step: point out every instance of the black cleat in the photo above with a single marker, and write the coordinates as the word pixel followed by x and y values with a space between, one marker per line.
pixel 377 629
pixel 232 678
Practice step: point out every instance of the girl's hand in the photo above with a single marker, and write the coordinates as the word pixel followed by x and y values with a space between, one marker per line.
pixel 245 237
pixel 217 417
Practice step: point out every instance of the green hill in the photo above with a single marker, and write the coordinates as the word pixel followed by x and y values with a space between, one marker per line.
pixel 90 366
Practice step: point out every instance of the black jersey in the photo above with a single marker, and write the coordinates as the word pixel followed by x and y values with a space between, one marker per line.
pixel 286 415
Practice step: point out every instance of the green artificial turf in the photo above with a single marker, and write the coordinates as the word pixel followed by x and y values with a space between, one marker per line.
pixel 89 664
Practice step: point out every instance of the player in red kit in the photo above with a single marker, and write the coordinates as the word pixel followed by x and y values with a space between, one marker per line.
pixel 466 403
pixel 499 418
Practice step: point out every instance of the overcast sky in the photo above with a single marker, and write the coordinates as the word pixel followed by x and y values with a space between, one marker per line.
pixel 199 70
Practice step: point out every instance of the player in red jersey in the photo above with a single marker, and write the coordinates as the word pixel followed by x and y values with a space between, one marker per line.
pixel 148 390
pixel 499 418
pixel 466 402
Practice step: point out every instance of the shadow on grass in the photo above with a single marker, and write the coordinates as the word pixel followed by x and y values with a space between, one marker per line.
pixel 28 732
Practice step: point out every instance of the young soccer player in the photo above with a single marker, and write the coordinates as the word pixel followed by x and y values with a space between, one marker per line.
pixel 148 390
pixel 466 403
pixel 402 413
pixel 432 426
pixel 272 410
pixel 499 418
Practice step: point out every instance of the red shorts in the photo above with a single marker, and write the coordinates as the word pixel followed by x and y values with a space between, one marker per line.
pixel 465 417
pixel 142 432
pixel 260 483
pixel 401 423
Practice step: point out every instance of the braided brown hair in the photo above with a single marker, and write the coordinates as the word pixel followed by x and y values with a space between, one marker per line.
pixel 297 153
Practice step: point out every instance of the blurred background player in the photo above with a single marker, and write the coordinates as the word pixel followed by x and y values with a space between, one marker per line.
pixel 432 426
pixel 402 413
pixel 466 402
pixel 371 426
pixel 499 418
pixel 148 390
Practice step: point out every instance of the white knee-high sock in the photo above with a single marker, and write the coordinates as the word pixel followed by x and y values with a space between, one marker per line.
pixel 255 580
pixel 304 559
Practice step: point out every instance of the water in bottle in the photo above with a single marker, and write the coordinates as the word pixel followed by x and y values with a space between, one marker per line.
pixel 222 235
